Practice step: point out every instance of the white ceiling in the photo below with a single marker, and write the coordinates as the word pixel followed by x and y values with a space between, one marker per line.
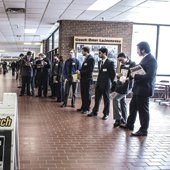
pixel 42 14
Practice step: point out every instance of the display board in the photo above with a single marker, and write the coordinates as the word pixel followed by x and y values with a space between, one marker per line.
pixel 94 43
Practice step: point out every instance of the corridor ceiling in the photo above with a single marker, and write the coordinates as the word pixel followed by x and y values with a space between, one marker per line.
pixel 42 15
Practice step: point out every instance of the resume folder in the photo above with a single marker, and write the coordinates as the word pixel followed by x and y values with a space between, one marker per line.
pixel 138 69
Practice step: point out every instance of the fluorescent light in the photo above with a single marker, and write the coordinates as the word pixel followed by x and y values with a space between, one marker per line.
pixel 30 31
pixel 1 51
pixel 30 43
pixel 102 5
pixel 27 43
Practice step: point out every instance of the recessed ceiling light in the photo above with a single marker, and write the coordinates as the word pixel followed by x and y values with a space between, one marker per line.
pixel 102 5
pixel 30 31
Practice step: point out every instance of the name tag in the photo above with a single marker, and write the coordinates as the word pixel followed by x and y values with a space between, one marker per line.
pixel 85 64
pixel 73 64
pixel 126 66
pixel 105 70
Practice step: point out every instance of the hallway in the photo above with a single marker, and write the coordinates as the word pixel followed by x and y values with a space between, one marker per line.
pixel 54 138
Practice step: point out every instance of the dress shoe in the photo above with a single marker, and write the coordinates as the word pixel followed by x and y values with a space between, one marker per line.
pixel 21 95
pixel 125 126
pixel 85 112
pixel 63 105
pixel 79 110
pixel 116 124
pixel 92 114
pixel 139 133
pixel 105 117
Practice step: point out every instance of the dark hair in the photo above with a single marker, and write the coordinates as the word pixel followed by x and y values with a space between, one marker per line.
pixel 122 55
pixel 29 53
pixel 86 49
pixel 61 58
pixel 21 55
pixel 144 46
pixel 104 50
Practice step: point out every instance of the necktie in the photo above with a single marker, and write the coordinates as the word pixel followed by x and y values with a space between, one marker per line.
pixel 70 67
pixel 101 65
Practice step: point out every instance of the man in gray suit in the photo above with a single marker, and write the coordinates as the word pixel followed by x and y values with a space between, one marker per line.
pixel 104 82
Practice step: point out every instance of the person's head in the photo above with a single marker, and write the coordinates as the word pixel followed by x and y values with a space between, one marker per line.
pixel 61 58
pixel 56 57
pixel 143 48
pixel 103 52
pixel 71 53
pixel 122 58
pixel 85 51
pixel 40 55
pixel 29 55
pixel 21 55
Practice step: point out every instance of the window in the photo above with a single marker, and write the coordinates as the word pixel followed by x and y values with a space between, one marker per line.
pixel 163 51
pixel 143 33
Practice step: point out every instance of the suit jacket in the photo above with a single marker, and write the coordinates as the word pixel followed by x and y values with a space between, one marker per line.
pixel 87 69
pixel 106 75
pixel 144 84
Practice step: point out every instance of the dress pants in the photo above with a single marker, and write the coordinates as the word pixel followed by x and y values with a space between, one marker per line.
pixel 26 80
pixel 119 106
pixel 98 95
pixel 85 94
pixel 141 104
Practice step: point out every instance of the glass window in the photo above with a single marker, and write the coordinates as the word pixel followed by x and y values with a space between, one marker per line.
pixel 56 39
pixel 163 51
pixel 143 33
pixel 50 43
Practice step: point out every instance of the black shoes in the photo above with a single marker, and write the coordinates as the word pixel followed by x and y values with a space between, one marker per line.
pixel 125 126
pixel 119 123
pixel 63 105
pixel 105 117
pixel 139 133
pixel 116 124
pixel 79 110
pixel 92 114
pixel 85 112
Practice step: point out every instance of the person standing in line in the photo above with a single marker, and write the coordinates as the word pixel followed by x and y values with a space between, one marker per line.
pixel 142 90
pixel 42 65
pixel 123 88
pixel 105 79
pixel 19 70
pixel 60 80
pixel 71 67
pixel 26 74
pixel 13 66
pixel 86 80
pixel 54 77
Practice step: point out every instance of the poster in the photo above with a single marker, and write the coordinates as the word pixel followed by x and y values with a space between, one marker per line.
pixel 112 52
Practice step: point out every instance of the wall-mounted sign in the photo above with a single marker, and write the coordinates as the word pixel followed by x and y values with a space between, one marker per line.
pixel 97 40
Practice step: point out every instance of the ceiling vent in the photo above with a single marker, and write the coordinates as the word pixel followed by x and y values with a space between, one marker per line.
pixel 15 10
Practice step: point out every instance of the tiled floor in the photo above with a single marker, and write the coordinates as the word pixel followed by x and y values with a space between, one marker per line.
pixel 54 138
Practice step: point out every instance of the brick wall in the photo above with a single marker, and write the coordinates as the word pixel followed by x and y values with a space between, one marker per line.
pixel 70 28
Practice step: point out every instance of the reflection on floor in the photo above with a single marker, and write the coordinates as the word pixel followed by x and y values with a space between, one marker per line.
pixel 54 138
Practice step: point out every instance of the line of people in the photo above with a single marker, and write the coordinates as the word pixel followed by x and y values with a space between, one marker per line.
pixel 109 85
pixel 142 86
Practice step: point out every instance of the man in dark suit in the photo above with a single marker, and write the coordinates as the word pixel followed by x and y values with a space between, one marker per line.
pixel 86 80
pixel 104 81
pixel 142 90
